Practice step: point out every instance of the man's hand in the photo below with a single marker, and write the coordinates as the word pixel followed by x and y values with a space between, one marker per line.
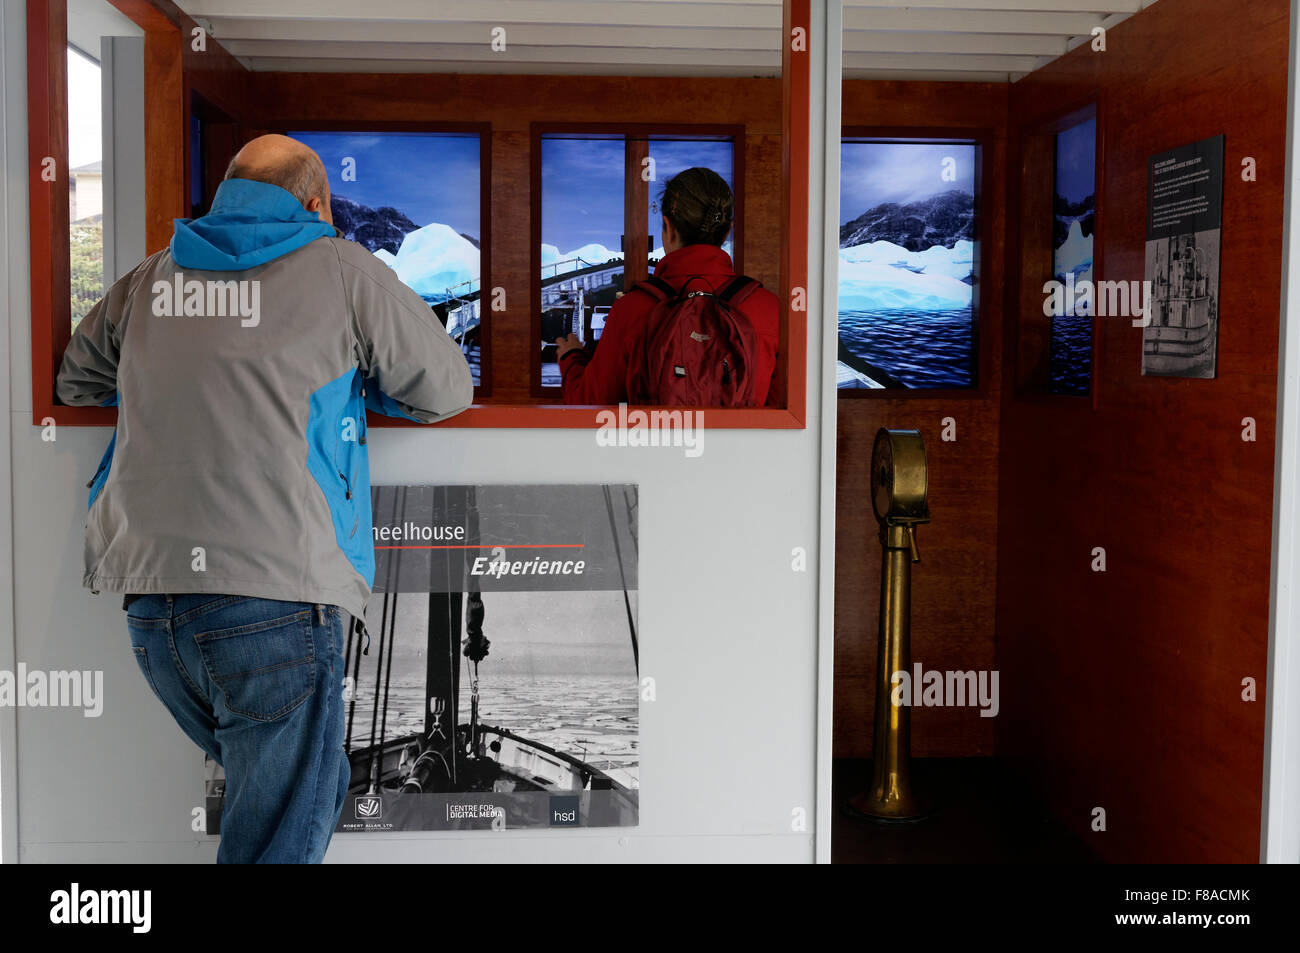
pixel 566 344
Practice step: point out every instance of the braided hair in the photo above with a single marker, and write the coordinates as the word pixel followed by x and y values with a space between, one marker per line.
pixel 700 206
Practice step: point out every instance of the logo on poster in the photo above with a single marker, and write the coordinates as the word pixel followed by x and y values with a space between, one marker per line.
pixel 564 810
pixel 368 808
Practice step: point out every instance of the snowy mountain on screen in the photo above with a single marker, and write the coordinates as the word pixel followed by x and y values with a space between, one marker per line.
pixel 375 228
pixel 938 220
pixel 592 253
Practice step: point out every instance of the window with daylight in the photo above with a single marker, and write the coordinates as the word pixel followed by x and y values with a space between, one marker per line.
pixel 600 195
pixel 416 200
pixel 85 182
pixel 1073 223
pixel 908 264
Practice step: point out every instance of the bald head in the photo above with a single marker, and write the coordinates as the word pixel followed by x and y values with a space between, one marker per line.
pixel 279 160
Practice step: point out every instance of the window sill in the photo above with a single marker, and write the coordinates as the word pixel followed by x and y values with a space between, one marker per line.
pixel 500 417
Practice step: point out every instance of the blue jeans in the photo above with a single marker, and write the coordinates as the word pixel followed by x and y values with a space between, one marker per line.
pixel 258 685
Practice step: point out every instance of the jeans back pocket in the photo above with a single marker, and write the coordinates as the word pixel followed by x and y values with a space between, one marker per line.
pixel 142 660
pixel 265 669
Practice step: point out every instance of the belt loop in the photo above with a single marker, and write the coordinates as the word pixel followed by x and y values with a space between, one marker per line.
pixel 320 614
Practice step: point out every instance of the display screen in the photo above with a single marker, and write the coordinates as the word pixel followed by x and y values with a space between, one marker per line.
pixel 1073 211
pixel 670 156
pixel 414 200
pixel 907 264
pixel 584 187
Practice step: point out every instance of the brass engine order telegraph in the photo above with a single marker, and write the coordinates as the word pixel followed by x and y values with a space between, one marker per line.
pixel 899 481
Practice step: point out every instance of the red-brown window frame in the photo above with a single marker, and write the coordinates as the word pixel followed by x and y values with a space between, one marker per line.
pixel 167 191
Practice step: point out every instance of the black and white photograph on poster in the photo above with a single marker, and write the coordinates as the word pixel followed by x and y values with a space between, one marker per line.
pixel 499 688
pixel 1184 220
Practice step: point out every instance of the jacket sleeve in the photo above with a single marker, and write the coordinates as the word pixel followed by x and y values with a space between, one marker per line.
pixel 600 378
pixel 419 370
pixel 88 374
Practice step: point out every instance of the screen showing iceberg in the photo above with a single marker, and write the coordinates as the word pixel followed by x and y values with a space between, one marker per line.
pixel 1072 229
pixel 907 264
pixel 414 199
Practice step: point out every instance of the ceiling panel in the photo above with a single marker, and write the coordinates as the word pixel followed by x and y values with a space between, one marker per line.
pixel 983 40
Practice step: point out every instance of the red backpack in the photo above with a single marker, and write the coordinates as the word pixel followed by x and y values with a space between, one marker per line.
pixel 700 348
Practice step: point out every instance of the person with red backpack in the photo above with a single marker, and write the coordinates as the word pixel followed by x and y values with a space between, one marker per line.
pixel 695 334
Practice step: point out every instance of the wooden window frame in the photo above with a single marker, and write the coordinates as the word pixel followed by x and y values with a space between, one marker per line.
pixel 167 194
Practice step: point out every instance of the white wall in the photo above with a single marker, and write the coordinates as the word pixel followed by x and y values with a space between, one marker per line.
pixel 1280 834
pixel 729 632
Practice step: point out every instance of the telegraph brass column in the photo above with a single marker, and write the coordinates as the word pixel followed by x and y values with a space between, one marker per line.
pixel 899 481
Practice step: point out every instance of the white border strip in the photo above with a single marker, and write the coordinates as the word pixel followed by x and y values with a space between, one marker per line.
pixel 824 117
pixel 13 36
pixel 1280 826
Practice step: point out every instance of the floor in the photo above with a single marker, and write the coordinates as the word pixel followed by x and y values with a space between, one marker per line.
pixel 979 815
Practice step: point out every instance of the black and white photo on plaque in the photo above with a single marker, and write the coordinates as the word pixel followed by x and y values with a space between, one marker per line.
pixel 1184 222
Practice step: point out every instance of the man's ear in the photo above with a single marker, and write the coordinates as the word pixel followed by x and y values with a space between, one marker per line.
pixel 320 207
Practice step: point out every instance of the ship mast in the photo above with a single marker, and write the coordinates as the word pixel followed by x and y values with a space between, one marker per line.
pixel 442 668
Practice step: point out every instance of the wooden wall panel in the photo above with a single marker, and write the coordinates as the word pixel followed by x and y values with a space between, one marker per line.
pixel 1122 689
pixel 511 104
pixel 953 586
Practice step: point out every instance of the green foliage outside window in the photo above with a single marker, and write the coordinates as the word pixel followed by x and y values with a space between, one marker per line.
pixel 87 267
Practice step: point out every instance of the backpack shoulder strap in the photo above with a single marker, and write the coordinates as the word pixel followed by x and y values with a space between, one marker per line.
pixel 738 289
pixel 656 288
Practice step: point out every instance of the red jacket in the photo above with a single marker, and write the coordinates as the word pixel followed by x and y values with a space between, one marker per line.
pixel 603 378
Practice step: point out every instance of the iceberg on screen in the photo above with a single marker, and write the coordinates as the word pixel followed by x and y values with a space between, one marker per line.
pixel 882 276
pixel 434 259
pixel 1075 254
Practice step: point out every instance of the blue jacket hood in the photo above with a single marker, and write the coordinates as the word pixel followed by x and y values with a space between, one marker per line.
pixel 250 224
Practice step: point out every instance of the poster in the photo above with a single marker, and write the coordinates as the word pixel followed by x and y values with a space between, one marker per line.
pixel 500 689
pixel 1184 218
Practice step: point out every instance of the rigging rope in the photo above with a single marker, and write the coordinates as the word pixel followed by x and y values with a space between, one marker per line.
pixel 388 675
pixel 618 554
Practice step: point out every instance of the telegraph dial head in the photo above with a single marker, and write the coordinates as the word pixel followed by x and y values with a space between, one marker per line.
pixel 899 477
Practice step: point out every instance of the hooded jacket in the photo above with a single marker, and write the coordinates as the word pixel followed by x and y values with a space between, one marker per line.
pixel 604 377
pixel 242 360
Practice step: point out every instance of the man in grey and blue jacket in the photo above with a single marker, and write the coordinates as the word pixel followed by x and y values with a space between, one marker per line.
pixel 232 507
